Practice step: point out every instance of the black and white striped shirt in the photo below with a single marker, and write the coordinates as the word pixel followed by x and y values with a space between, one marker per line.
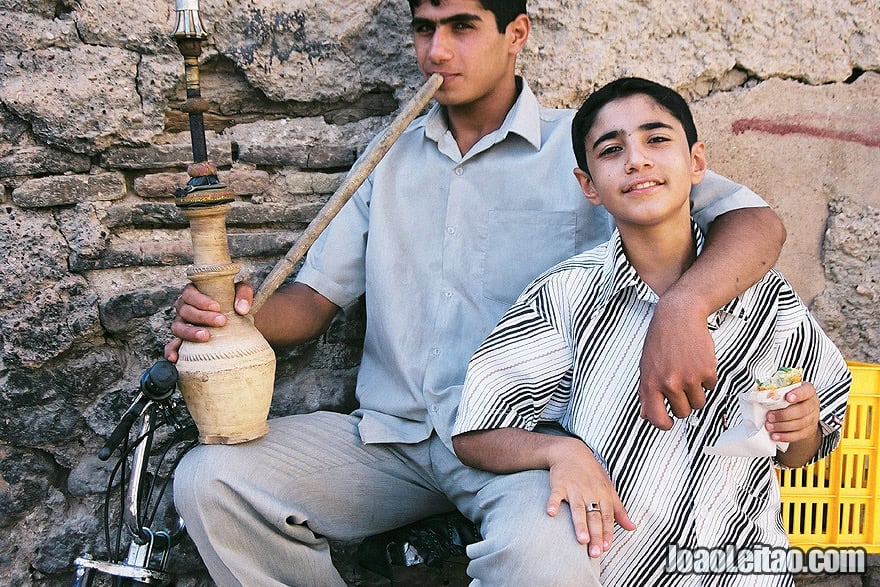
pixel 568 350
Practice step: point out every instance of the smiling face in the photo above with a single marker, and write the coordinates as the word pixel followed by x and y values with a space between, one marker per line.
pixel 460 40
pixel 641 168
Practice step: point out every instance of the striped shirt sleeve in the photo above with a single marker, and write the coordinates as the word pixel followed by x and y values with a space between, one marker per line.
pixel 518 374
pixel 826 369
pixel 801 342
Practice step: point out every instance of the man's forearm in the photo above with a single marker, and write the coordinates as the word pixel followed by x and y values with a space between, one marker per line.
pixel 294 314
pixel 741 246
pixel 678 359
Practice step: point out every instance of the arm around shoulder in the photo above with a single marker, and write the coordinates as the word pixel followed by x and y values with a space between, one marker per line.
pixel 744 237
pixel 741 247
pixel 678 357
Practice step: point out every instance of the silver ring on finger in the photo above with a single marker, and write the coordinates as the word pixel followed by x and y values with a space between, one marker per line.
pixel 593 506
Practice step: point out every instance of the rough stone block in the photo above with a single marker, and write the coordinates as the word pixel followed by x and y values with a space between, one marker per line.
pixel 90 476
pixel 12 129
pixel 159 185
pixel 45 192
pixel 330 157
pixel 148 254
pixel 299 182
pixel 64 542
pixel 45 8
pixel 142 25
pixel 24 31
pixel 246 181
pixel 847 308
pixel 274 155
pixel 85 234
pixel 324 55
pixel 163 156
pixel 307 143
pixel 145 215
pixel 243 180
pixel 272 214
pixel 261 244
pixel 84 97
pixel 320 389
pixel 159 75
pixel 119 312
pixel 49 322
pixel 34 252
pixel 312 157
pixel 43 404
pixel 326 183
pixel 41 160
pixel 25 477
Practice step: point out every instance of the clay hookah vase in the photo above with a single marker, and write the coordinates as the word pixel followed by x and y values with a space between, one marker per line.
pixel 227 382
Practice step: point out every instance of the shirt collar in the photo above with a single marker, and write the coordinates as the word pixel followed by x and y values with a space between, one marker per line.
pixel 523 119
pixel 620 274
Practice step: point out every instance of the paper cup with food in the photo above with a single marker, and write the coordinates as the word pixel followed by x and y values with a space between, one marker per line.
pixel 750 438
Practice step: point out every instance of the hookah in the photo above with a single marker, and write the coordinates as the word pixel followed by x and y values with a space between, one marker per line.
pixel 227 383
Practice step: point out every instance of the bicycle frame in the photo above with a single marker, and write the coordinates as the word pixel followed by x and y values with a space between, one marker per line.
pixel 146 562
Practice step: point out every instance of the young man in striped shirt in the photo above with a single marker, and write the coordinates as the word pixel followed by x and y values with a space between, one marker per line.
pixel 568 351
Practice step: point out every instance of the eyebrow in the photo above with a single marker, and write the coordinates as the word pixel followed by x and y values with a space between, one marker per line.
pixel 616 133
pixel 464 17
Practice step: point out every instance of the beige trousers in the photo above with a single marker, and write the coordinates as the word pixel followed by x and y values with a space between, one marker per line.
pixel 261 512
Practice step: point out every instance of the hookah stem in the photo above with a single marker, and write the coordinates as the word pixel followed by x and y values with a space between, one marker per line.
pixel 195 105
pixel 204 200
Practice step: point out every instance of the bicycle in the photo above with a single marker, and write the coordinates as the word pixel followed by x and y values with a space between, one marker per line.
pixel 431 541
pixel 141 487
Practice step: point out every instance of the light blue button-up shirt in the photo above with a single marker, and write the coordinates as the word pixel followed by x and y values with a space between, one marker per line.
pixel 442 243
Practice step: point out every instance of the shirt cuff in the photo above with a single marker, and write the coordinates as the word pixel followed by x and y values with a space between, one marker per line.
pixel 831 434
pixel 478 421
pixel 333 291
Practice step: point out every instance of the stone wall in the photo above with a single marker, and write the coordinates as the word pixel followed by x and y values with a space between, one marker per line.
pixel 93 143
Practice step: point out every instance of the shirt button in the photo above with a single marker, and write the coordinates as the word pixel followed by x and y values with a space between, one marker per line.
pixel 459 171
pixel 435 409
pixel 435 352
pixel 447 293
pixel 450 230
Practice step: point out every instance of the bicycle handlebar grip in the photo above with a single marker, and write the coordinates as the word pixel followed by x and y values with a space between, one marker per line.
pixel 158 382
pixel 122 428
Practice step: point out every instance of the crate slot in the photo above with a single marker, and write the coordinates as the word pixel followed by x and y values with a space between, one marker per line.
pixel 836 501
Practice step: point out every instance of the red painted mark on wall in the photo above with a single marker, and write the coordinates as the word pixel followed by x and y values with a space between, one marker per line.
pixel 788 126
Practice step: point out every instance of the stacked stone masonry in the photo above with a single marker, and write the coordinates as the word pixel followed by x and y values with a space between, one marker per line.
pixel 93 143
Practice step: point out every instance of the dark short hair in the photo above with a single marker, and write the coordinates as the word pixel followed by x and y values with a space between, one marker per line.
pixel 625 87
pixel 505 11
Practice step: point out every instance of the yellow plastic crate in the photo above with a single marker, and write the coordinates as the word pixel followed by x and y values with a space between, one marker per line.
pixel 836 501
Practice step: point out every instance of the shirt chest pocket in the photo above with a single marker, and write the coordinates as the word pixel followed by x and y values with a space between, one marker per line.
pixel 519 245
